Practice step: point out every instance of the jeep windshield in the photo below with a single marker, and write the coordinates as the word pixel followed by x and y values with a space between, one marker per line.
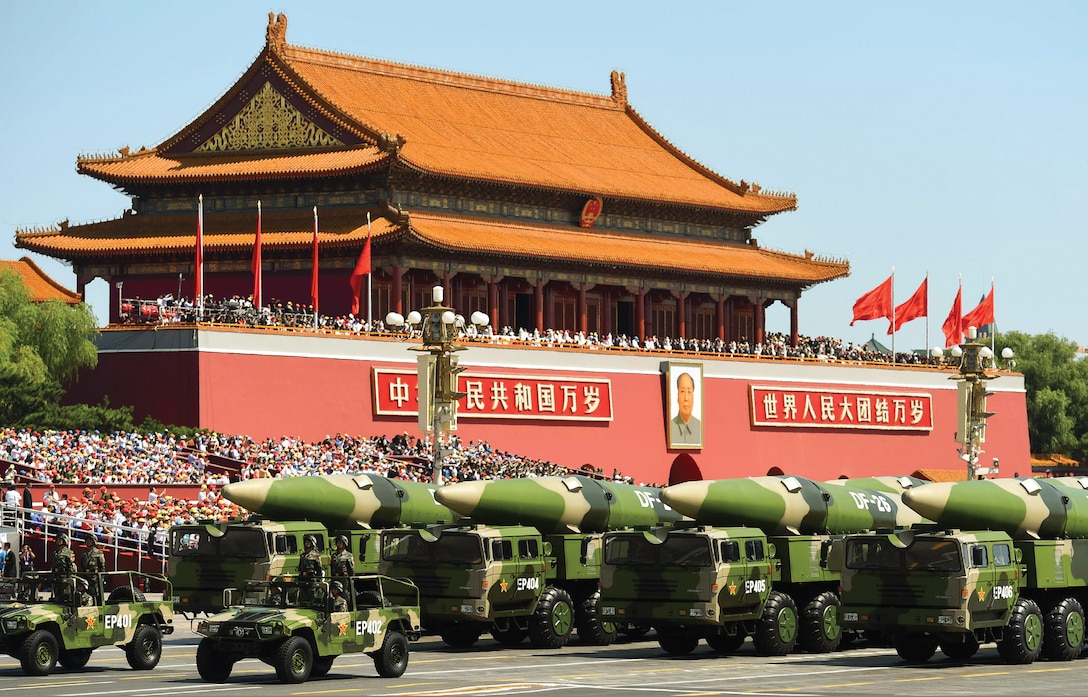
pixel 922 555
pixel 196 541
pixel 450 548
pixel 676 550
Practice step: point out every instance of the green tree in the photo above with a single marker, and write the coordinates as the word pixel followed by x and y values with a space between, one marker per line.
pixel 1057 392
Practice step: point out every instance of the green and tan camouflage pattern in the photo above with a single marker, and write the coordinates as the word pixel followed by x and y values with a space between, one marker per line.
pixel 679 577
pixel 887 484
pixel 262 619
pixel 1024 508
pixel 39 603
pixel 573 503
pixel 342 500
pixel 789 505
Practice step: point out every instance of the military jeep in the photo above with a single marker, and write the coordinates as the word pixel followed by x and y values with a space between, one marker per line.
pixel 45 621
pixel 293 625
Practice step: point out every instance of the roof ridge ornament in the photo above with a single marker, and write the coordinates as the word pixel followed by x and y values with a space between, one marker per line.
pixel 276 33
pixel 619 88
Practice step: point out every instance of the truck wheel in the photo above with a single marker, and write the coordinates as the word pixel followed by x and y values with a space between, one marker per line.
pixel 724 642
pixel 677 642
pixel 391 660
pixel 1023 640
pixel 1063 632
pixel 591 628
pixel 553 619
pixel 74 659
pixel 510 634
pixel 38 654
pixel 959 647
pixel 915 647
pixel 294 660
pixel 322 666
pixel 461 635
pixel 145 649
pixel 820 630
pixel 212 665
pixel 776 630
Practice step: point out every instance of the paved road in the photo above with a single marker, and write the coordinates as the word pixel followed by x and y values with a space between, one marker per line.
pixel 626 668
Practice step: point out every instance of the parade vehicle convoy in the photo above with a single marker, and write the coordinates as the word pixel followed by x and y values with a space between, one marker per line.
pixel 51 620
pixel 1006 561
pixel 296 627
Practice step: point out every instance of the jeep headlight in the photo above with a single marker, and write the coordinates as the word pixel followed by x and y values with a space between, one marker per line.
pixel 208 628
pixel 11 624
pixel 266 629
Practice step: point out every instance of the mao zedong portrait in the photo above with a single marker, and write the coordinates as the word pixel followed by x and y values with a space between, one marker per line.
pixel 686 428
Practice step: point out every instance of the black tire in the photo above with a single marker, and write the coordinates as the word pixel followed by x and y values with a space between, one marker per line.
pixel 510 634
pixel 776 629
pixel 391 660
pixel 1063 630
pixel 552 621
pixel 1023 638
pixel 74 659
pixel 591 628
pixel 145 649
pixel 125 594
pixel 959 647
pixel 724 642
pixel 212 665
pixel 677 642
pixel 38 653
pixel 370 599
pixel 820 628
pixel 915 647
pixel 294 660
pixel 461 635
pixel 322 666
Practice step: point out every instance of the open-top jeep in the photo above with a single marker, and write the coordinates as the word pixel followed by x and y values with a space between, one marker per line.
pixel 295 626
pixel 45 621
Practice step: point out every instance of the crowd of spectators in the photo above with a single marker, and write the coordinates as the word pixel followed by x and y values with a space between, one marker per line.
pixel 238 310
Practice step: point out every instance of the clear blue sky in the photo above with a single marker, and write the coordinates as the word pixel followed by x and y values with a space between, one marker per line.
pixel 936 137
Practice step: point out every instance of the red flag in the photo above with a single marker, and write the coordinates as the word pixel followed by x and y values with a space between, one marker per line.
pixel 917 306
pixel 199 292
pixel 256 264
pixel 362 268
pixel 982 315
pixel 953 330
pixel 875 304
pixel 313 278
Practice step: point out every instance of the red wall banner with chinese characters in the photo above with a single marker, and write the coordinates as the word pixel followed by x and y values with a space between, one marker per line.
pixel 502 396
pixel 804 407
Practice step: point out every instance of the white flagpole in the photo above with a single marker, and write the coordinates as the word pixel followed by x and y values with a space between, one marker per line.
pixel 369 276
pixel 893 314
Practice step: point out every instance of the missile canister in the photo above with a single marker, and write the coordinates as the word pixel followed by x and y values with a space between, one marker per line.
pixel 889 485
pixel 788 505
pixel 342 500
pixel 573 503
pixel 1023 508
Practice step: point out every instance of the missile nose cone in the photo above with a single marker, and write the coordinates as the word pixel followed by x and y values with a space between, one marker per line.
pixel 251 493
pixel 931 500
pixel 687 498
pixel 463 497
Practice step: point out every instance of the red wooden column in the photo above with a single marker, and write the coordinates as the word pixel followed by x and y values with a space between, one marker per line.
pixel 583 322
pixel 681 314
pixel 640 315
pixel 794 337
pixel 758 318
pixel 538 304
pixel 493 303
pixel 447 292
pixel 606 312
pixel 719 316
pixel 398 295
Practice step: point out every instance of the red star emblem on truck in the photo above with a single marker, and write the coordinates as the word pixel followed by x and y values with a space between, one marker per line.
pixel 503 584
pixel 981 593
pixel 343 627
pixel 91 619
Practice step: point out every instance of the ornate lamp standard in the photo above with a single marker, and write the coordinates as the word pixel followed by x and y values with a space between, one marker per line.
pixel 438 369
pixel 975 360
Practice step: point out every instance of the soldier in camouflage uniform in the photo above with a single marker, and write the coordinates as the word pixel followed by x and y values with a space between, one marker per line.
pixel 339 602
pixel 85 599
pixel 309 565
pixel 64 560
pixel 342 562
pixel 93 560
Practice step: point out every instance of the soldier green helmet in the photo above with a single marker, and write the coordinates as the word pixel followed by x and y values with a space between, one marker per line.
pixel 81 583
pixel 92 540
pixel 62 538
pixel 342 539
pixel 309 540
pixel 337 586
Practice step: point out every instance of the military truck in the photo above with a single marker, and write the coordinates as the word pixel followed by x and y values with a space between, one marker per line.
pixel 207 556
pixel 698 582
pixel 295 626
pixel 50 621
pixel 1005 560
pixel 508 580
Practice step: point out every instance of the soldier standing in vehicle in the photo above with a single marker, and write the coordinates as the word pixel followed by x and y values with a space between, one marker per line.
pixel 342 562
pixel 93 560
pixel 64 560
pixel 339 602
pixel 309 564
pixel 82 593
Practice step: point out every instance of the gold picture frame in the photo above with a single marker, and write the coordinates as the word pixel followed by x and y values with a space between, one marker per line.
pixel 684 415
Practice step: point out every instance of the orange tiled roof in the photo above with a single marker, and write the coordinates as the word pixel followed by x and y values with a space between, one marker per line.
pixel 134 234
pixel 462 126
pixel 598 247
pixel 39 284
pixel 935 475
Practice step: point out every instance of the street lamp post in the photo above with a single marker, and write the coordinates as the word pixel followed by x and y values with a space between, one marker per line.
pixel 975 360
pixel 438 368
pixel 120 299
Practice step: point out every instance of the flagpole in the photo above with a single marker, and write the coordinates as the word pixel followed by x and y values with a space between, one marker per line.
pixel 314 281
pixel 258 297
pixel 893 314
pixel 369 279
pixel 993 334
pixel 200 258
pixel 927 310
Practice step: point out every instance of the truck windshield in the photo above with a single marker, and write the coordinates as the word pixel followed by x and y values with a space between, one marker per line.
pixel 237 543
pixel 922 555
pixel 636 550
pixel 451 548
